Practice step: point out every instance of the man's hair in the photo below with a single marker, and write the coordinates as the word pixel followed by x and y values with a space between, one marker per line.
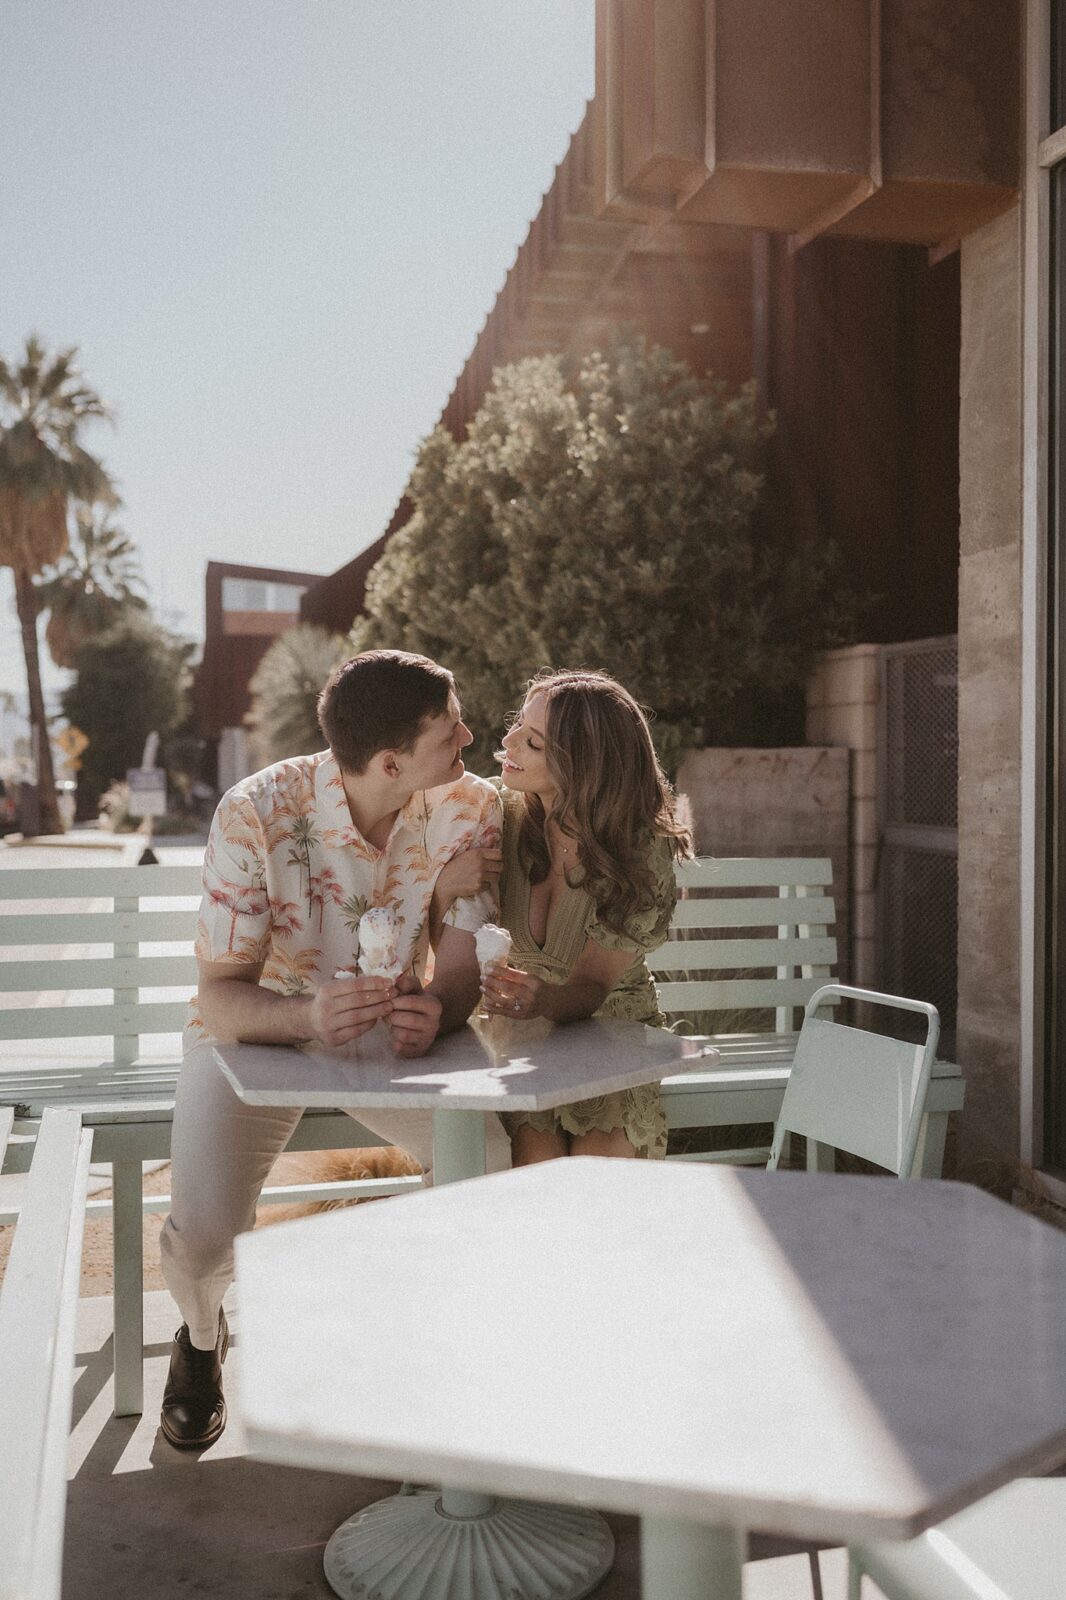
pixel 380 700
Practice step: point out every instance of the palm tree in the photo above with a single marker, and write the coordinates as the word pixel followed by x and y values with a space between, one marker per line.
pixel 285 690
pixel 89 588
pixel 43 406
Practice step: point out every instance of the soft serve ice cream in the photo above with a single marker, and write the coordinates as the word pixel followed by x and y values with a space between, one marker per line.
pixel 493 946
pixel 379 932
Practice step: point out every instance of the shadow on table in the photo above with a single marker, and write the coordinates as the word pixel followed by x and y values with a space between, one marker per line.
pixel 962 1292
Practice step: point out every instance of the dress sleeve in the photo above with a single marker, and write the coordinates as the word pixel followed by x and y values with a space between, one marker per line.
pixel 647 929
pixel 471 913
pixel 235 911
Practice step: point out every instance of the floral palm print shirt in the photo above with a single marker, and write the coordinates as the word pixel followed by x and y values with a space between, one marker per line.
pixel 287 874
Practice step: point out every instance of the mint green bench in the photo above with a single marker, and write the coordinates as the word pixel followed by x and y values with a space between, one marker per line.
pixel 754 936
pixel 38 1314
pixel 99 962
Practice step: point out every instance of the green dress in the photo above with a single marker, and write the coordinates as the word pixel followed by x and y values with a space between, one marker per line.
pixel 573 921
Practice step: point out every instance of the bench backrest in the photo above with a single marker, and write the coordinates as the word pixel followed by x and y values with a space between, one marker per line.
pixel 38 1312
pixel 750 937
pixel 114 942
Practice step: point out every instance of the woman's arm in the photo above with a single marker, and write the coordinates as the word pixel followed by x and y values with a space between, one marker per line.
pixel 592 977
pixel 464 875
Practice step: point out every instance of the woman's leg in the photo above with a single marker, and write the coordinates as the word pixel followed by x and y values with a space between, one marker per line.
pixel 596 1143
pixel 529 1144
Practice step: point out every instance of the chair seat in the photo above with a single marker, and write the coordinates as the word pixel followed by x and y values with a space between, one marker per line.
pixel 1011 1546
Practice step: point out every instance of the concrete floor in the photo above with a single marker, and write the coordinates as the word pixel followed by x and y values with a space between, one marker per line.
pixel 144 1520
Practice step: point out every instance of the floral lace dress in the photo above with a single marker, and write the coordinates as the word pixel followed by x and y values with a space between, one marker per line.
pixel 573 921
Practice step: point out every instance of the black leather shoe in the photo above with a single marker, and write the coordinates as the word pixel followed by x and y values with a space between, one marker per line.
pixel 194 1410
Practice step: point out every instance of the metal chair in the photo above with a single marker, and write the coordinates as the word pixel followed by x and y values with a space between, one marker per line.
pixel 857 1091
pixel 1011 1546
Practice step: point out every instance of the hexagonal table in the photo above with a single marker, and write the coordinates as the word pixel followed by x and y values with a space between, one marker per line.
pixel 557 1554
pixel 495 1066
pixel 712 1349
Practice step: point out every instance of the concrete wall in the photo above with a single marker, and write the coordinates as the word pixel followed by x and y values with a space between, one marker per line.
pixel 842 710
pixel 990 454
pixel 773 803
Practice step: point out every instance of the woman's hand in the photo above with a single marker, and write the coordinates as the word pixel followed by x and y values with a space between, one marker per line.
pixel 466 874
pixel 511 992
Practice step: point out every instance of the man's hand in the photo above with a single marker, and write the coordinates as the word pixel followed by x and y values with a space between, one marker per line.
pixel 414 1019
pixel 346 1008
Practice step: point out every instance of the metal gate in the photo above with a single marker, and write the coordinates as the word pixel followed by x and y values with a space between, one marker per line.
pixel 917 879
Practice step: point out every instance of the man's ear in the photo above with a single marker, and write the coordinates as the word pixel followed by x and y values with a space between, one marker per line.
pixel 384 764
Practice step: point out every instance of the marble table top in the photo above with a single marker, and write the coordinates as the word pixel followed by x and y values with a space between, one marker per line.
pixel 499 1066
pixel 841 1358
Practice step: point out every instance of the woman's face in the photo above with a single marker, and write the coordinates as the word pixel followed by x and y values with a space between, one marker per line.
pixel 525 764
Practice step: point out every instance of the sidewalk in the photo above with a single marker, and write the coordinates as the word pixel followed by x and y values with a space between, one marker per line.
pixel 146 1520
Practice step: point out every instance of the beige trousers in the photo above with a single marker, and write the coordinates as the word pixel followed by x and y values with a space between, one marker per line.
pixel 221 1152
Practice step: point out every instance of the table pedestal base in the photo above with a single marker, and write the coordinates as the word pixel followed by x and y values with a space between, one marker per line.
pixel 690 1561
pixel 410 1548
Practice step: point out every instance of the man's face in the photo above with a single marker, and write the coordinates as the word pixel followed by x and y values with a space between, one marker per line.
pixel 436 757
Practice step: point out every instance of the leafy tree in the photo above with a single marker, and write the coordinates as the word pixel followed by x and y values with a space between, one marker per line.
pixel 43 466
pixel 132 679
pixel 285 689
pixel 600 513
pixel 89 588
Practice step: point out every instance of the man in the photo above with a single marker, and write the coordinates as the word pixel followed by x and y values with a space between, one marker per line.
pixel 296 854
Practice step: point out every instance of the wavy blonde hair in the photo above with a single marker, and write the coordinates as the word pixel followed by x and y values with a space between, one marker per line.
pixel 612 795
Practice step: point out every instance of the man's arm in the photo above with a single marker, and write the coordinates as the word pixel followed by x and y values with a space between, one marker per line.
pixel 419 1015
pixel 237 1008
pixel 456 978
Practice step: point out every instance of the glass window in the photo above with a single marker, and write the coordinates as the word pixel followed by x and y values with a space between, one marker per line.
pixel 1058 64
pixel 253 594
pixel 1055 1054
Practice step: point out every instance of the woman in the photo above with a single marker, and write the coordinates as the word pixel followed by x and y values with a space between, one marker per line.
pixel 587 890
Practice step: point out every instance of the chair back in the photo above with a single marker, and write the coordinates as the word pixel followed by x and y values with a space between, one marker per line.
pixel 858 1091
pixel 750 941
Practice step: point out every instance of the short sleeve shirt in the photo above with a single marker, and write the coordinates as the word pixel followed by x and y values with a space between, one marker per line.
pixel 287 874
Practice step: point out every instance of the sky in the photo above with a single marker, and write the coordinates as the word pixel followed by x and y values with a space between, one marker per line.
pixel 273 228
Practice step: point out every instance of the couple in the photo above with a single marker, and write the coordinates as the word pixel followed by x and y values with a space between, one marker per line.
pixel 583 842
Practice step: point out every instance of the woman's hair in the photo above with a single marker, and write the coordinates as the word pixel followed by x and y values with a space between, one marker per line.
pixel 612 796
pixel 380 700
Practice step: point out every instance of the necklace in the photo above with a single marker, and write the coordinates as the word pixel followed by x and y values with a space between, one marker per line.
pixel 565 849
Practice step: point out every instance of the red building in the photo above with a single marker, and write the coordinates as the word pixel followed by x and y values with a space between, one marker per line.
pixel 246 609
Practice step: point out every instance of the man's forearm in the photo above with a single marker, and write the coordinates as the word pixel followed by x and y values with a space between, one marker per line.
pixel 458 1000
pixel 239 1012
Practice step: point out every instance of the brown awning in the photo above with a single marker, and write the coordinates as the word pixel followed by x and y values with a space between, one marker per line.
pixel 881 119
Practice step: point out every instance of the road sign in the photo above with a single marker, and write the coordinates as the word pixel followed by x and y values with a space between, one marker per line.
pixel 148 791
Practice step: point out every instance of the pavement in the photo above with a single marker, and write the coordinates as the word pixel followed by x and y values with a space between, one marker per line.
pixel 144 1519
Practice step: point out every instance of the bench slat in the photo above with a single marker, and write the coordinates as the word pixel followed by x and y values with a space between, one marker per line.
pixel 115 972
pixel 38 1305
pixel 737 994
pixel 701 955
pixel 757 911
pixel 744 872
pixel 96 883
pixel 7 1117
pixel 92 1022
pixel 97 927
